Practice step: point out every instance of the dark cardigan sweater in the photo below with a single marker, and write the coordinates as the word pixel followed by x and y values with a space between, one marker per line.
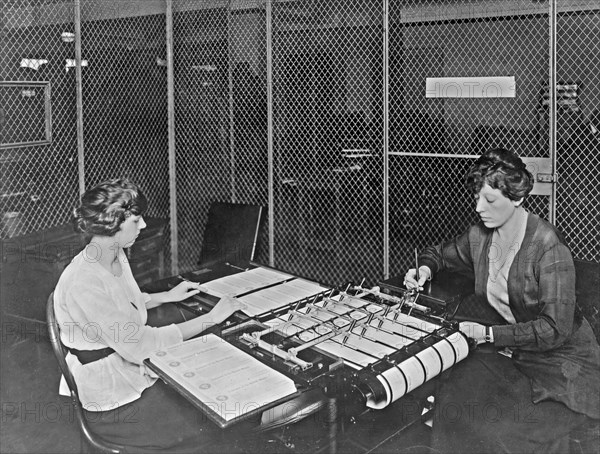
pixel 553 345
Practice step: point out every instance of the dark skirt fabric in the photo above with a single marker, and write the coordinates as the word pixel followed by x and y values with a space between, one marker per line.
pixel 570 374
pixel 484 405
pixel 161 420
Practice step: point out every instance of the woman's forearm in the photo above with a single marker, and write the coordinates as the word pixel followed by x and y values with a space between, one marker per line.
pixel 156 299
pixel 197 325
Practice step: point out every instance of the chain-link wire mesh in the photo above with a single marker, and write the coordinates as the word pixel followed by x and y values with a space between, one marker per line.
pixel 125 99
pixel 578 131
pixel 328 105
pixel 430 138
pixel 220 113
pixel 39 181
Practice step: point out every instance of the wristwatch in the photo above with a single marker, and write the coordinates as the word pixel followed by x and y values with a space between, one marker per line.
pixel 489 334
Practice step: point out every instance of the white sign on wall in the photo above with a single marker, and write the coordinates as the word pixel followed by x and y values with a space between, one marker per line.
pixel 470 87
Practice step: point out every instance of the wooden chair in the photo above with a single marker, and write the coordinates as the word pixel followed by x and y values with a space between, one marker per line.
pixel 93 442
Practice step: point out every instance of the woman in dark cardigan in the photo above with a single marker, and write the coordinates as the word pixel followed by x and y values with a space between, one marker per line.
pixel 525 279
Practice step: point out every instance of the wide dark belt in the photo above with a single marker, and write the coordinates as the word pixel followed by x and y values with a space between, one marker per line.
pixel 89 356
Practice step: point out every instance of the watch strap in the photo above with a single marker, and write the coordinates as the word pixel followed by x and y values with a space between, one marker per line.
pixel 489 335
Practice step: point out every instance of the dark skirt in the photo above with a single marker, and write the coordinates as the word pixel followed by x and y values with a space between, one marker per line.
pixel 484 405
pixel 161 420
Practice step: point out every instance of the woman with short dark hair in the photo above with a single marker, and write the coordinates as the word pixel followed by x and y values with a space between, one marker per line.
pixel 525 303
pixel 106 206
pixel 102 317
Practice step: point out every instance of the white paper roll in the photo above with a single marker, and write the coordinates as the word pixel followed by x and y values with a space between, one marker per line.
pixel 413 372
pixel 394 383
pixel 397 381
pixel 383 402
pixel 432 362
pixel 460 344
pixel 447 352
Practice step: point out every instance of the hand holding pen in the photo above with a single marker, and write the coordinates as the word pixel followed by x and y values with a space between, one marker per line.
pixel 415 278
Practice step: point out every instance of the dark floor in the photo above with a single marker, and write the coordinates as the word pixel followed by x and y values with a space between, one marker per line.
pixel 36 420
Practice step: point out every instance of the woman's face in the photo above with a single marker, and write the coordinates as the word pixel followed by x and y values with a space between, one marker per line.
pixel 129 230
pixel 493 207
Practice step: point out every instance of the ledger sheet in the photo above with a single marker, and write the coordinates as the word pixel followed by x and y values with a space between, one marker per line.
pixel 224 379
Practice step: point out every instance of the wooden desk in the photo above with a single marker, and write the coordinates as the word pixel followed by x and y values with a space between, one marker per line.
pixel 31 266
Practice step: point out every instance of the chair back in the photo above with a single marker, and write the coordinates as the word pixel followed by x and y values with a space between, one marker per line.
pixel 587 289
pixel 60 352
pixel 231 234
pixel 97 443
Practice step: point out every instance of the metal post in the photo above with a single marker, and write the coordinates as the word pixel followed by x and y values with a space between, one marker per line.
pixel 271 165
pixel 231 111
pixel 79 94
pixel 171 127
pixel 386 169
pixel 552 106
pixel 332 423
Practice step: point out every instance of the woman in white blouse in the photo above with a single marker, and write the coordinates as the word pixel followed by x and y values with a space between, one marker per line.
pixel 102 316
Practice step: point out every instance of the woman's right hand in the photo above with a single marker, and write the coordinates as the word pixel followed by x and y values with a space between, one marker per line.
pixel 225 308
pixel 410 278
pixel 221 312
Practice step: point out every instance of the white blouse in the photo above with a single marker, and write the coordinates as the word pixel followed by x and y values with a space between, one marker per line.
pixel 95 310
pixel 501 257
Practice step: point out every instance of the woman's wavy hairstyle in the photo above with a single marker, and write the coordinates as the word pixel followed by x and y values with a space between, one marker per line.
pixel 503 170
pixel 106 206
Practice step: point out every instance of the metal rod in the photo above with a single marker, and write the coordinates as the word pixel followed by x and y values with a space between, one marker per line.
pixel 171 140
pixel 277 351
pixel 386 124
pixel 433 155
pixel 79 94
pixel 270 155
pixel 232 156
pixel 552 105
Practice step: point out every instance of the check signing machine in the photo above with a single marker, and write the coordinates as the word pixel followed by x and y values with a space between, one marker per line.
pixel 362 347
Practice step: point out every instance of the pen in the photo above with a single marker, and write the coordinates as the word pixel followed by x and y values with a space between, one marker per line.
pixel 236 267
pixel 417 265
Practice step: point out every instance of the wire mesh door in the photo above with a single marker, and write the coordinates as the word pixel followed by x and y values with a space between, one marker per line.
pixel 327 107
pixel 328 104
pixel 220 113
pixel 38 166
pixel 432 138
pixel 347 99
pixel 578 129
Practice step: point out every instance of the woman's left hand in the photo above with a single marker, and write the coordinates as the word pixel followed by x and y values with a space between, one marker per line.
pixel 183 291
pixel 475 331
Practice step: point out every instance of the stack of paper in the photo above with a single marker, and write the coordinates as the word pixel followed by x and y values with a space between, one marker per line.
pixel 220 378
pixel 277 296
pixel 240 283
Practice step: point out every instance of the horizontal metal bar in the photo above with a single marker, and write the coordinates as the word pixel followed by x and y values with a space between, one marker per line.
pixel 432 155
